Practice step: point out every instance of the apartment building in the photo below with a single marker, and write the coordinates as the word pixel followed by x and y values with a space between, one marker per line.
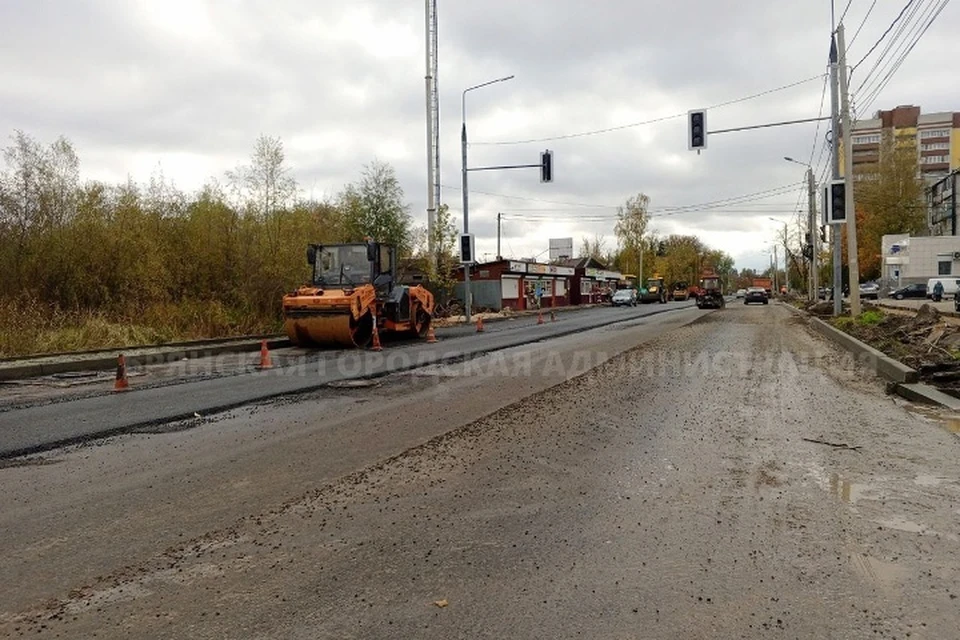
pixel 937 138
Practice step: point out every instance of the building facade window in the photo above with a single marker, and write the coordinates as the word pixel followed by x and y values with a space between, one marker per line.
pixel 935 133
pixel 934 146
pixel 935 160
pixel 873 138
pixel 943 267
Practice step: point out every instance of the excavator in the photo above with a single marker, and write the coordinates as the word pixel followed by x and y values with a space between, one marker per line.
pixel 354 287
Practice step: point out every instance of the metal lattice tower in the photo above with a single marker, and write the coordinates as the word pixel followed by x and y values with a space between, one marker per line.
pixel 433 124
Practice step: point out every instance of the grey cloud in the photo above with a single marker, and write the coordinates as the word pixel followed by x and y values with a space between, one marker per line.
pixel 105 75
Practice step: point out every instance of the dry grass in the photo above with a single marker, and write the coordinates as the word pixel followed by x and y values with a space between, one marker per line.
pixel 28 327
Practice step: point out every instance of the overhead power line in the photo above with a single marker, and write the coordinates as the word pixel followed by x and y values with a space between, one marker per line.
pixel 862 22
pixel 884 35
pixel 646 122
pixel 741 199
pixel 847 8
pixel 930 19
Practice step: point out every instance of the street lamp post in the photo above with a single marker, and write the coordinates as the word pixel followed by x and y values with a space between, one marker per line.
pixel 463 184
pixel 786 252
pixel 812 227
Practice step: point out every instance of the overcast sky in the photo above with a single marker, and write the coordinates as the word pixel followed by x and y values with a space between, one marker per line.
pixel 188 85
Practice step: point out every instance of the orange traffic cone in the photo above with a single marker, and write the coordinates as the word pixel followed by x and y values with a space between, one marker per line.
pixel 479 324
pixel 431 336
pixel 376 337
pixel 540 317
pixel 265 362
pixel 121 383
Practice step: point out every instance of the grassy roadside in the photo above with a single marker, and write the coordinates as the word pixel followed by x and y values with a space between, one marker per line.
pixel 28 328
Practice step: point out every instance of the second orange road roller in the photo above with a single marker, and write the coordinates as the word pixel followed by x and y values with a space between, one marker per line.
pixel 354 286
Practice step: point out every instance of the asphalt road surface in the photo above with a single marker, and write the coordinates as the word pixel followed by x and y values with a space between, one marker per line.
pixel 689 475
pixel 201 387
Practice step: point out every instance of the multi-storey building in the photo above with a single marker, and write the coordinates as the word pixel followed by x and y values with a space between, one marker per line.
pixel 937 138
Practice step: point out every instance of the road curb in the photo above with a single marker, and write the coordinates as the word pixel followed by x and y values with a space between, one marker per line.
pixel 881 363
pixel 157 355
pixel 920 392
pixel 526 313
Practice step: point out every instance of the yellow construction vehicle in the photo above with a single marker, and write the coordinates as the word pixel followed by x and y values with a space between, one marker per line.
pixel 354 286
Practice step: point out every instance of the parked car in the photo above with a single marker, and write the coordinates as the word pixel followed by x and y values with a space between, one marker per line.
pixel 910 291
pixel 741 293
pixel 756 294
pixel 624 298
pixel 870 291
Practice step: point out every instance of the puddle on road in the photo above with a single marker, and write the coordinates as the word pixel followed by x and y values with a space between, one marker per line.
pixel 889 573
pixel 846 490
pixel 902 524
pixel 952 425
pixel 949 422
pixel 930 481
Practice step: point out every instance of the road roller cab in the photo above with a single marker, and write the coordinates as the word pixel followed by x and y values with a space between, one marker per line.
pixel 353 286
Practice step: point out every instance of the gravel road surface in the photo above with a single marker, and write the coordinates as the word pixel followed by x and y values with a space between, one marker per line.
pixel 728 475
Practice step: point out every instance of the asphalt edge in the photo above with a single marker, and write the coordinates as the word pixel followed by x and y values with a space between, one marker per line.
pixel 171 352
pixel 160 356
pixel 449 358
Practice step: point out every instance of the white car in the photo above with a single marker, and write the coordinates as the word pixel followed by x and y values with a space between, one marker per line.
pixel 741 293
pixel 626 297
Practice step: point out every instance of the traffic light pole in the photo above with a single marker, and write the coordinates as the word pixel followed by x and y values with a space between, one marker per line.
pixel 835 156
pixel 466 217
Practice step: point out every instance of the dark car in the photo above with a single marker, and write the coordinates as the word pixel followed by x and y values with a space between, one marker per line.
pixel 755 294
pixel 910 291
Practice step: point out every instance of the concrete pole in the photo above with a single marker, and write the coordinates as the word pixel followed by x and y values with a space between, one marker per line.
pixel 466 215
pixel 835 156
pixel 814 236
pixel 499 255
pixel 776 272
pixel 853 261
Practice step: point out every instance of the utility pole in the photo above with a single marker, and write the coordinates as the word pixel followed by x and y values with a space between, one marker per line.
pixel 853 263
pixel 776 271
pixel 640 275
pixel 814 236
pixel 835 234
pixel 499 218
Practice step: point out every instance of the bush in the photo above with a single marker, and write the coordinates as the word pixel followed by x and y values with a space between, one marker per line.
pixel 870 318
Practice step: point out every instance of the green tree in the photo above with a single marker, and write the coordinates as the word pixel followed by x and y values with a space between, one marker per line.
pixel 889 198
pixel 633 218
pixel 375 208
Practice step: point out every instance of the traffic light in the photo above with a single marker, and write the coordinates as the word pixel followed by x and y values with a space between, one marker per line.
pixel 697 136
pixel 467 248
pixel 546 166
pixel 837 203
